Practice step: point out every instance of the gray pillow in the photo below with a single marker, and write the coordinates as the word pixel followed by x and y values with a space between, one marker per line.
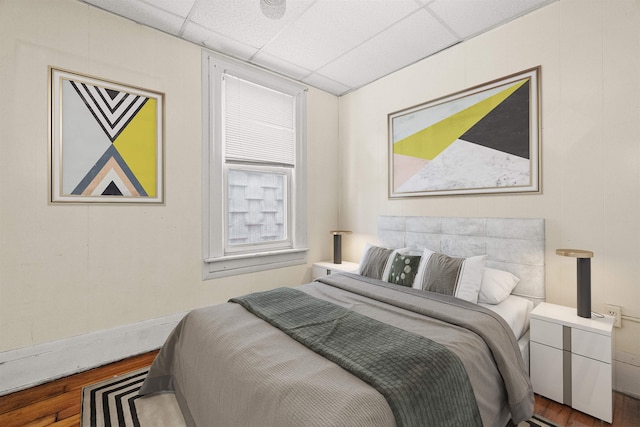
pixel 441 274
pixel 374 261
pixel 460 277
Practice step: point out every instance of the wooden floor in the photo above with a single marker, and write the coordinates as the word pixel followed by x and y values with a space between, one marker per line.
pixel 58 403
pixel 626 413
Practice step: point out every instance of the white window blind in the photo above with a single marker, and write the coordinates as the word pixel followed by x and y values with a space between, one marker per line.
pixel 259 123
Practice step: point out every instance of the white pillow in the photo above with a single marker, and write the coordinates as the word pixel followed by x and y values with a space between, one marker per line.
pixel 496 286
pixel 460 277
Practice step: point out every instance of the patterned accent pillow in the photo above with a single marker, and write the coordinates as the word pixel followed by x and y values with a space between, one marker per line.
pixel 404 269
pixel 460 277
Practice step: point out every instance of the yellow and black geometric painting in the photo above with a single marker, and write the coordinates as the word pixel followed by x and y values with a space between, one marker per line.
pixel 106 141
pixel 481 141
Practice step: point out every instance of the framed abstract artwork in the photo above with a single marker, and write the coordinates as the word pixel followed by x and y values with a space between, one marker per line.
pixel 106 141
pixel 485 139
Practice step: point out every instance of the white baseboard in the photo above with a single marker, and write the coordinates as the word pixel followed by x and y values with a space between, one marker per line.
pixel 30 366
pixel 626 370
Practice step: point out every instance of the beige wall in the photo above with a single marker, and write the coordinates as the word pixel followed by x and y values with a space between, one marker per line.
pixel 70 270
pixel 74 269
pixel 588 51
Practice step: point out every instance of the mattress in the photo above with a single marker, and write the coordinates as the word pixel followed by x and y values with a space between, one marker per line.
pixel 515 311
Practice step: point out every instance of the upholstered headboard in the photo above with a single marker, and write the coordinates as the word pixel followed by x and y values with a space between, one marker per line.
pixel 511 244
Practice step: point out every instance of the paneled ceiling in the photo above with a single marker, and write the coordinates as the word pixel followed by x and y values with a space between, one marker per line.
pixel 334 45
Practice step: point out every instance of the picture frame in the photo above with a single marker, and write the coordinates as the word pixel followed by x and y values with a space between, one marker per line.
pixel 106 141
pixel 482 140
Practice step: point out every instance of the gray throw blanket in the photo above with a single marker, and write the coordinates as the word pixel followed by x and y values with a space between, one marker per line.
pixel 423 382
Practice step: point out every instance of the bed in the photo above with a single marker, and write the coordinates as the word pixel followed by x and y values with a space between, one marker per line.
pixel 373 348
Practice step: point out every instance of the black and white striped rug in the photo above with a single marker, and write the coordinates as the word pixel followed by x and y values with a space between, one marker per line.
pixel 537 421
pixel 115 403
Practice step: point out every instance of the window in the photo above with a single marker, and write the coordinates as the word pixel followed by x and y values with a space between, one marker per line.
pixel 254 150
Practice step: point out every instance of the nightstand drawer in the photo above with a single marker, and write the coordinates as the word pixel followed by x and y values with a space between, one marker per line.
pixel 546 368
pixel 546 333
pixel 591 385
pixel 591 345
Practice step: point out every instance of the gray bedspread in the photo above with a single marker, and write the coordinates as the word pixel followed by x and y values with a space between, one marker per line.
pixel 423 382
pixel 230 368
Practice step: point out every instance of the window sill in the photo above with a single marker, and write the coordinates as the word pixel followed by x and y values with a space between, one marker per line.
pixel 232 265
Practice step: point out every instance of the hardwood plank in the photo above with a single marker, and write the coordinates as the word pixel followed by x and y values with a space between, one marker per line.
pixel 41 409
pixel 557 413
pixel 626 413
pixel 23 398
pixel 73 421
pixel 579 419
pixel 42 422
pixel 630 412
pixel 540 405
pixel 73 408
pixel 618 402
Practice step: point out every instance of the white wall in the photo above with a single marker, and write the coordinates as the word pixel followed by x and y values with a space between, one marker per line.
pixel 590 80
pixel 72 270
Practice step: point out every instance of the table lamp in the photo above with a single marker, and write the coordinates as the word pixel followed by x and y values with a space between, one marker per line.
pixel 337 245
pixel 584 278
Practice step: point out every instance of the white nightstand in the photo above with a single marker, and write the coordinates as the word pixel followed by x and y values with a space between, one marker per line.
pixel 324 268
pixel 571 359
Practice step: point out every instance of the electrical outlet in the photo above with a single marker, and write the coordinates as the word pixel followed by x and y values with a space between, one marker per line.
pixel 614 311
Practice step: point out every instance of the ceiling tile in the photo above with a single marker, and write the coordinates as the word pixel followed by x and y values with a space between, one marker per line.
pixel 242 20
pixel 142 13
pixel 330 28
pixel 471 17
pixel 179 7
pixel 335 45
pixel 326 84
pixel 281 66
pixel 419 36
pixel 215 41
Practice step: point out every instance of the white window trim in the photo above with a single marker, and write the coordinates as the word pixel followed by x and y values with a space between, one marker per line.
pixel 215 262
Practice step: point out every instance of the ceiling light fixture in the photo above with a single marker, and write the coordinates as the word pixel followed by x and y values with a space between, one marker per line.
pixel 273 9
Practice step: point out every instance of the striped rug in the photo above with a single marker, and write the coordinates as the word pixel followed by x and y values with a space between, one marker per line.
pixel 115 403
pixel 537 421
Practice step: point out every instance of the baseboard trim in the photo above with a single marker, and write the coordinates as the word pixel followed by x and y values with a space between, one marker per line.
pixel 626 369
pixel 30 366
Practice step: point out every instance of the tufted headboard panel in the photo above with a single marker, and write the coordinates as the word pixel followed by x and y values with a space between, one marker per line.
pixel 511 244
